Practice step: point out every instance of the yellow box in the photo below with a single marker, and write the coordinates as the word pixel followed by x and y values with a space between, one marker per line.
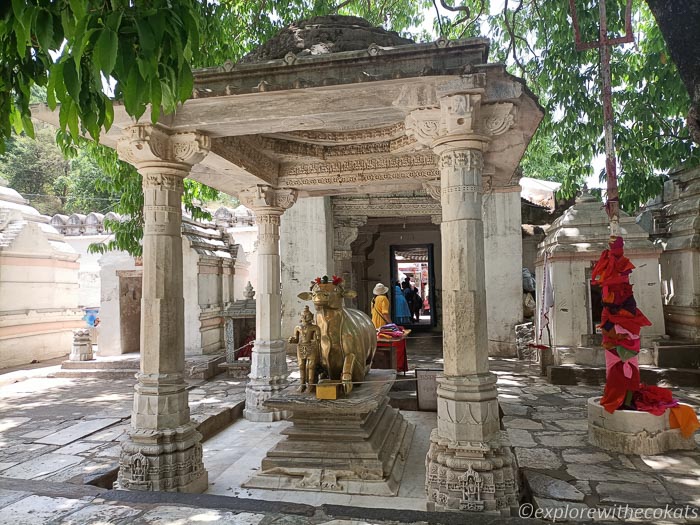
pixel 329 390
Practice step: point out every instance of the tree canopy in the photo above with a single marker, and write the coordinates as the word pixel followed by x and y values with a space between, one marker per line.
pixel 145 52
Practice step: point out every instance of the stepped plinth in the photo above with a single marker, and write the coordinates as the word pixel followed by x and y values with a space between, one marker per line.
pixel 354 445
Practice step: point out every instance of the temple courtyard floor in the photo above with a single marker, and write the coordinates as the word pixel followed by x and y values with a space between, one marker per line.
pixel 59 447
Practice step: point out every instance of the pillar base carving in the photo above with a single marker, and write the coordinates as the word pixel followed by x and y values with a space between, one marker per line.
pixel 168 460
pixel 268 377
pixel 472 476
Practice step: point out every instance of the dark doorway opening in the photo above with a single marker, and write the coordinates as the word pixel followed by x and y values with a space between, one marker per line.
pixel 412 266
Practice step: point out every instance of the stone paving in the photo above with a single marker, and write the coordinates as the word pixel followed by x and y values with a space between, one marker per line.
pixel 548 427
pixel 56 434
pixel 60 429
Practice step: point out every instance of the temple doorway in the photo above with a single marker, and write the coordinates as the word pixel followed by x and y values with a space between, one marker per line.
pixel 413 267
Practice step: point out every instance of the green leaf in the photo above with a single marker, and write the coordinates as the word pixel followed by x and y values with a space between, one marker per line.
pixel 106 49
pixel 186 83
pixel 156 98
pixel 132 91
pixel 79 8
pixel 146 37
pixel 114 20
pixel 44 29
pixel 73 121
pixel 71 80
pixel 109 114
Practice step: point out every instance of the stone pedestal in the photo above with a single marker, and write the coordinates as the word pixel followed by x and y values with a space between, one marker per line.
pixel 354 445
pixel 633 432
pixel 82 346
pixel 162 450
pixel 268 374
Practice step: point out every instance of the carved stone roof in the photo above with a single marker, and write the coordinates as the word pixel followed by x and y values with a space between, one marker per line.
pixel 323 35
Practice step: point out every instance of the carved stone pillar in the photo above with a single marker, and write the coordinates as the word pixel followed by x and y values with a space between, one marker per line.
pixel 469 463
pixel 345 231
pixel 268 373
pixel 163 450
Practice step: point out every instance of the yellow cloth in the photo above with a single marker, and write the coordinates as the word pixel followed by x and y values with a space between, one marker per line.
pixel 683 417
pixel 380 311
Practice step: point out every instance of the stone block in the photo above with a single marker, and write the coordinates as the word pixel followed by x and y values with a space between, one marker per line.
pixel 633 432
pixel 353 445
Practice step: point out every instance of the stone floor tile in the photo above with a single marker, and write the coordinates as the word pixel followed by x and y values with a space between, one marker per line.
pixel 77 431
pixel 525 424
pixel 634 494
pixel 573 424
pixel 10 496
pixel 101 515
pixel 520 438
pixel 172 515
pixel 512 409
pixel 9 423
pixel 562 439
pixel 41 466
pixel 537 458
pixel 574 455
pixel 551 488
pixel 38 510
pixel 77 447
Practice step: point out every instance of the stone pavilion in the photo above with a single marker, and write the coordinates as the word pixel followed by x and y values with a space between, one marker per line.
pixel 332 107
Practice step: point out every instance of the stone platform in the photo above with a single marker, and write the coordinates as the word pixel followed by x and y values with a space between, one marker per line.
pixel 633 432
pixel 354 445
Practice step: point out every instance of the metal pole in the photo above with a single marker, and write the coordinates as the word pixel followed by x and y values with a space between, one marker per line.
pixel 612 204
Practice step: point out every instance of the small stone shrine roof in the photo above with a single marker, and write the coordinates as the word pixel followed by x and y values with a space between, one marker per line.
pixel 584 230
pixel 244 308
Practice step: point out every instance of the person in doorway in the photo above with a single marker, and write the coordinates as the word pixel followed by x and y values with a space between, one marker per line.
pixel 402 313
pixel 380 306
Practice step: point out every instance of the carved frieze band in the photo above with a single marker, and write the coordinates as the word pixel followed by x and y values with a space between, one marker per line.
pixel 383 207
pixel 470 160
pixel 145 144
pixel 304 149
pixel 419 160
pixel 244 153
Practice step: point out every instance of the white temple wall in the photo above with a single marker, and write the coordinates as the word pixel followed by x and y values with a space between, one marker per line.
pixel 89 273
pixel 109 340
pixel 680 284
pixel 503 256
pixel 190 282
pixel 306 244
pixel 570 318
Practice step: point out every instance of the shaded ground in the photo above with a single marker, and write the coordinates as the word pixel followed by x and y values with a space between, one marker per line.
pixel 56 434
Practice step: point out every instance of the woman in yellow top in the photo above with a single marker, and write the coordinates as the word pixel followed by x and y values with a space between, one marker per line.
pixel 380 306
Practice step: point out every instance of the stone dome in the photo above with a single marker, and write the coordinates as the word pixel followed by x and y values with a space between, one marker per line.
pixel 324 34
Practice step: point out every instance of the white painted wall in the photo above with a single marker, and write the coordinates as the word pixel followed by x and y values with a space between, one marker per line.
pixel 503 256
pixel 108 334
pixel 89 273
pixel 306 244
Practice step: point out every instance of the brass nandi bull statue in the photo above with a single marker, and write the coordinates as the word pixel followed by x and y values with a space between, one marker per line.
pixel 348 337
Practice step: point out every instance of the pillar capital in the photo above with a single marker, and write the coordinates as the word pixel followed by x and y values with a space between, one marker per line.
pixel 345 232
pixel 263 199
pixel 150 148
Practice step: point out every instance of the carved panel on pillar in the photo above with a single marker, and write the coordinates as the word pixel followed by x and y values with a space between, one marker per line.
pixel 143 144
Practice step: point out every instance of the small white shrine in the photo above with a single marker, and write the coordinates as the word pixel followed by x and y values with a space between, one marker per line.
pixel 573 245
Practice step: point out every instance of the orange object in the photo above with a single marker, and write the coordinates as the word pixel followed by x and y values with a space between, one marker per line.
pixel 683 417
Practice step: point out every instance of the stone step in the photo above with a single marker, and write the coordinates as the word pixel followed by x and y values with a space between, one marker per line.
pixel 403 400
pixel 100 373
pixel 674 355
pixel 121 364
pixel 578 375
